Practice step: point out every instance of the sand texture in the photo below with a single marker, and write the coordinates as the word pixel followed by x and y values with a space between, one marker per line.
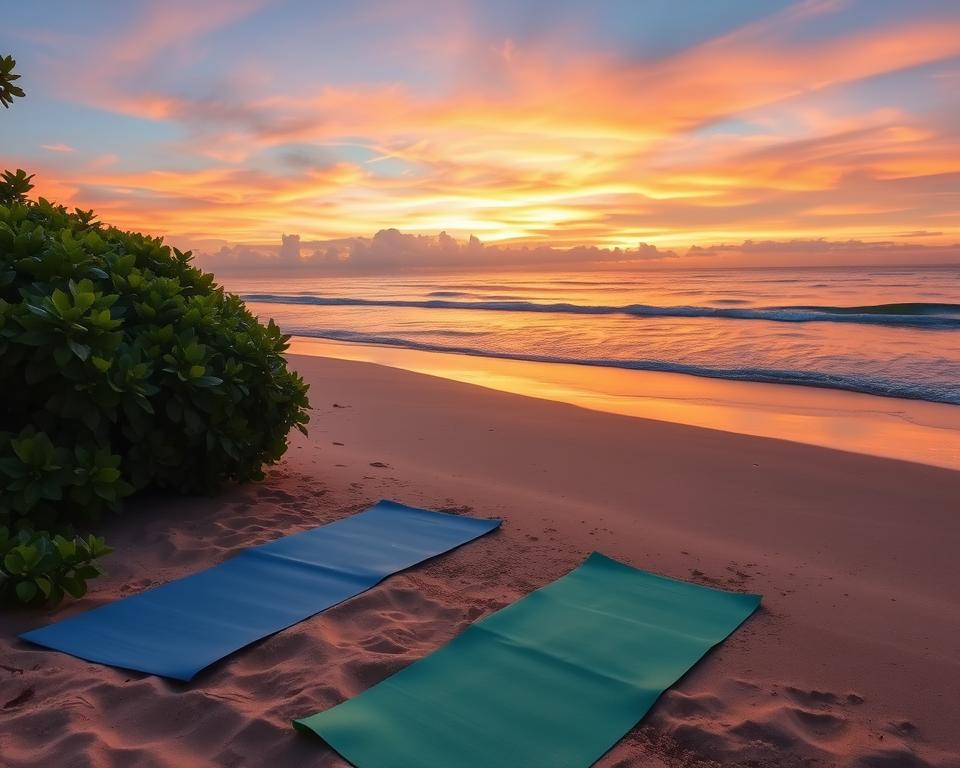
pixel 853 659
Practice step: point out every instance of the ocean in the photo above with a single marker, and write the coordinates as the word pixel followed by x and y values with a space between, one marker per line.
pixel 883 331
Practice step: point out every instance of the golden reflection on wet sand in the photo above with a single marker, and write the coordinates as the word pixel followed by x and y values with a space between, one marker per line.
pixel 910 430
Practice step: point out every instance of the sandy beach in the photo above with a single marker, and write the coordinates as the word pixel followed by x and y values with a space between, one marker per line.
pixel 851 661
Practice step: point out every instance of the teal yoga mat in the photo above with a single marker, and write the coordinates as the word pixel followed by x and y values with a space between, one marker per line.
pixel 551 681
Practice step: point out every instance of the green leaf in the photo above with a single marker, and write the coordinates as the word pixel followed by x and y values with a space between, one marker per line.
pixel 88 572
pixel 29 555
pixel 91 418
pixel 105 492
pixel 44 584
pixel 100 548
pixel 65 547
pixel 74 586
pixel 61 301
pixel 56 594
pixel 12 467
pixel 24 448
pixel 80 350
pixel 108 475
pixel 83 300
pixel 13 563
pixel 62 355
pixel 40 312
pixel 26 591
pixel 193 353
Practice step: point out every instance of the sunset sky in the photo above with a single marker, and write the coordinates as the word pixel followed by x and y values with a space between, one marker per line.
pixel 666 122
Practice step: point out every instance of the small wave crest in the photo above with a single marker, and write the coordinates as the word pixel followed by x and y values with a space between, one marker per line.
pixel 915 314
pixel 866 384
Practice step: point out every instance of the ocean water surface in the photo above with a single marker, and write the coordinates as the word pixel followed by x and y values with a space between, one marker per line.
pixel 883 331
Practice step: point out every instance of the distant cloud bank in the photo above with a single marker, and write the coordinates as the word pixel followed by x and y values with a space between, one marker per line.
pixel 820 251
pixel 390 251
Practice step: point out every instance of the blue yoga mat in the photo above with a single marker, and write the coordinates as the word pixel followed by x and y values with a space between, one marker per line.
pixel 179 628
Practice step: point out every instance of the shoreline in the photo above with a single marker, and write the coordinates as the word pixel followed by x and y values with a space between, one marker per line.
pixel 895 428
pixel 850 662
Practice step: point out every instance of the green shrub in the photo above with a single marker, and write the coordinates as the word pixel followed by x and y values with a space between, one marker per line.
pixel 122 367
pixel 35 567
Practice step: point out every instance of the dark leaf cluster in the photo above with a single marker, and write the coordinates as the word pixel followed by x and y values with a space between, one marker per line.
pixel 8 91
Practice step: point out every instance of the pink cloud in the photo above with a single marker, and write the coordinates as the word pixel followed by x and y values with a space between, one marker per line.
pixel 59 147
pixel 821 252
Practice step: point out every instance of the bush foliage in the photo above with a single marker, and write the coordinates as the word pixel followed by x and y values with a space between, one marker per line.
pixel 8 90
pixel 122 367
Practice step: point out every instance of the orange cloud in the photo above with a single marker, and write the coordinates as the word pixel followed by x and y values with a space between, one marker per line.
pixel 740 136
